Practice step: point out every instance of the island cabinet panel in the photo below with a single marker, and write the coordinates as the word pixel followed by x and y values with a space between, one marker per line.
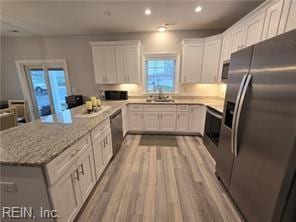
pixel 107 146
pixel 65 195
pixel 124 121
pixel 85 167
pixel 58 166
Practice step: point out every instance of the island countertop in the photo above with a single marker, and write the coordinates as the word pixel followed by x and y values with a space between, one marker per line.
pixel 40 141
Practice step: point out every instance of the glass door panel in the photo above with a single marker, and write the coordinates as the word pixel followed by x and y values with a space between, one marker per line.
pixel 39 90
pixel 58 88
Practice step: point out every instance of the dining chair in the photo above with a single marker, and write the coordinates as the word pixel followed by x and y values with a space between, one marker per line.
pixel 21 110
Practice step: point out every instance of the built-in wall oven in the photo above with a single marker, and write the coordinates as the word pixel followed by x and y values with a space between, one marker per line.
pixel 212 130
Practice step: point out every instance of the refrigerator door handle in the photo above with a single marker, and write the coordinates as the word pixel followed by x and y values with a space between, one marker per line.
pixel 235 111
pixel 239 110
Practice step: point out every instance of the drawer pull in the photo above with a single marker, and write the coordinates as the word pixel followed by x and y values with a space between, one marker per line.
pixel 77 175
pixel 82 169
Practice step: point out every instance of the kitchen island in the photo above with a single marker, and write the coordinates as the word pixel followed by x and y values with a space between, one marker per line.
pixel 51 163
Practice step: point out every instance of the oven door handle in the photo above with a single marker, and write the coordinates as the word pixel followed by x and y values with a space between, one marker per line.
pixel 219 116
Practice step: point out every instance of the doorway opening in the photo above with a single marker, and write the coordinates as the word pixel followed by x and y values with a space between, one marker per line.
pixel 45 85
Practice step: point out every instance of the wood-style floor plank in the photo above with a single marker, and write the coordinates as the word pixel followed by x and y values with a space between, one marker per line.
pixel 159 184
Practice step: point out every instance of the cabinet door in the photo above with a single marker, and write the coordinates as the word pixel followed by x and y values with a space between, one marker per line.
pixel 167 121
pixel 151 121
pixel 182 122
pixel 65 195
pixel 135 121
pixel 124 125
pixel 225 52
pixel 254 29
pixel 120 64
pixel 197 119
pixel 272 20
pixel 192 63
pixel 85 167
pixel 132 62
pixel 291 20
pixel 104 64
pixel 98 157
pixel 107 147
pixel 211 61
pixel 128 63
pixel 237 39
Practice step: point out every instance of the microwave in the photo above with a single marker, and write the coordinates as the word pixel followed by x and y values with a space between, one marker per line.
pixel 116 95
pixel 225 69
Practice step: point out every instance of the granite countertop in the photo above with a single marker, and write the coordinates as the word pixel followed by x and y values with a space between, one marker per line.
pixel 40 141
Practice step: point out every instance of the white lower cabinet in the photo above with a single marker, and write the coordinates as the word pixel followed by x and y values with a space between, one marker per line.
pixel 135 120
pixel 182 121
pixel 85 173
pixel 167 121
pixel 124 121
pixel 65 195
pixel 151 121
pixel 71 189
pixel 98 156
pixel 107 146
pixel 197 118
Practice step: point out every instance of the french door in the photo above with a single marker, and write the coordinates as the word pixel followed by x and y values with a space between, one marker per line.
pixel 48 85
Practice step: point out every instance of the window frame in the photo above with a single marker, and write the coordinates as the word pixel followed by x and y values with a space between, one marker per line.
pixel 162 55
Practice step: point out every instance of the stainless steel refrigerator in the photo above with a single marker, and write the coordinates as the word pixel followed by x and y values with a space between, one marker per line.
pixel 256 157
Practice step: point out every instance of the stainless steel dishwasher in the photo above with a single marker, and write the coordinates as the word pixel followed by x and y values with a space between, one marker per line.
pixel 116 131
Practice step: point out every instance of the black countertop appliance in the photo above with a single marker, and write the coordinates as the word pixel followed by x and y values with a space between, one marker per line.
pixel 74 100
pixel 116 95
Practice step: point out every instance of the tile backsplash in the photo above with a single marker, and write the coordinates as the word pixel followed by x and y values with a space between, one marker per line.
pixel 196 90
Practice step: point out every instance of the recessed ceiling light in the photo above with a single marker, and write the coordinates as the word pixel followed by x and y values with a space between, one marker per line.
pixel 148 11
pixel 198 9
pixel 162 28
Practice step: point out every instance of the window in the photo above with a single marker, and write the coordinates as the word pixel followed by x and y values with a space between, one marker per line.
pixel 160 73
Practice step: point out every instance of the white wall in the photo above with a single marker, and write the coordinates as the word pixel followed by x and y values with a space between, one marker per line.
pixel 77 52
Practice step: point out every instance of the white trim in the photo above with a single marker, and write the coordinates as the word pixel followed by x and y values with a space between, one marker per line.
pixel 24 82
pixel 174 55
pixel 114 43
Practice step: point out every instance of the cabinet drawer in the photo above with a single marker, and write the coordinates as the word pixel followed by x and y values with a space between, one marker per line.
pixel 184 108
pixel 96 132
pixel 58 166
pixel 160 108
pixel 135 107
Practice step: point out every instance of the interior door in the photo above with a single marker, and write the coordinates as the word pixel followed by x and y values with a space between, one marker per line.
pixel 266 131
pixel 49 86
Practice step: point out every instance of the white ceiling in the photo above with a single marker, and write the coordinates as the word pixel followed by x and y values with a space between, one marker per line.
pixel 69 17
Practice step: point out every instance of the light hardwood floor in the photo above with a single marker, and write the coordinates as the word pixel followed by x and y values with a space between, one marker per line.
pixel 159 183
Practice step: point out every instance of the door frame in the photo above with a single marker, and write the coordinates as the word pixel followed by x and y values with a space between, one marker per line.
pixel 24 83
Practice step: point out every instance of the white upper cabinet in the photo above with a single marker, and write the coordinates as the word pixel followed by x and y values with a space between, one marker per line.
pixel 116 62
pixel 254 29
pixel 288 17
pixel 237 39
pixel 211 59
pixel 104 64
pixel 192 59
pixel 272 20
pixel 128 63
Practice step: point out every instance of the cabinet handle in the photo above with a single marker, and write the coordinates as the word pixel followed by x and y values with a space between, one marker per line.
pixel 178 116
pixel 157 116
pixel 106 141
pixel 160 116
pixel 77 175
pixel 82 169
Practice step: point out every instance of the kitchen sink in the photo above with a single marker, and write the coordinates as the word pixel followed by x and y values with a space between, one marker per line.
pixel 160 100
